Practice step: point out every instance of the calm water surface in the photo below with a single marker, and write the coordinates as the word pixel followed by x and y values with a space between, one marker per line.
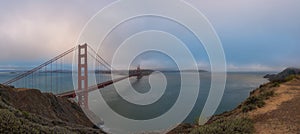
pixel 238 87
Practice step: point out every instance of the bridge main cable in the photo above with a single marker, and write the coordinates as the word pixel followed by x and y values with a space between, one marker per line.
pixel 104 62
pixel 39 67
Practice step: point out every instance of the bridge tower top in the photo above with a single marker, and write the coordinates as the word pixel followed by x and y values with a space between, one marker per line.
pixel 138 68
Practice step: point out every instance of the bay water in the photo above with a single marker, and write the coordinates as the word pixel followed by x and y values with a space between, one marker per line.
pixel 238 87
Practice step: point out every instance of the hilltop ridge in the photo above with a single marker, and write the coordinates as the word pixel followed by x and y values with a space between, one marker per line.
pixel 282 75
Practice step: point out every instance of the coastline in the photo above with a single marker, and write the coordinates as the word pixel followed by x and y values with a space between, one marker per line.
pixel 254 115
pixel 271 108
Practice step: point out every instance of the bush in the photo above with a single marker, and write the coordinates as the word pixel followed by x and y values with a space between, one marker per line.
pixel 252 103
pixel 267 95
pixel 260 104
pixel 290 77
pixel 226 126
pixel 246 108
pixel 15 121
pixel 26 114
pixel 275 84
pixel 256 101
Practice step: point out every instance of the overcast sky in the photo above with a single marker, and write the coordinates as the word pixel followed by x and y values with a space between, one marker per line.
pixel 257 35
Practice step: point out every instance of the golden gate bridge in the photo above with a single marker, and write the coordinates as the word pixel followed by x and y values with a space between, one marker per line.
pixel 83 89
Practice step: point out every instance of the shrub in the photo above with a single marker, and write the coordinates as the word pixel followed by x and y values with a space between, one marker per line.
pixel 246 108
pixel 26 114
pixel 253 100
pixel 12 124
pixel 275 84
pixel 267 95
pixel 260 104
pixel 290 77
pixel 256 101
pixel 226 126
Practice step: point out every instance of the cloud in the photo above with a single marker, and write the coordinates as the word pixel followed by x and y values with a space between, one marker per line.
pixel 203 65
pixel 256 31
pixel 31 35
pixel 252 31
pixel 252 67
pixel 156 64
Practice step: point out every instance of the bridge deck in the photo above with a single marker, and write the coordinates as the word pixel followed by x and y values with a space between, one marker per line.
pixel 72 94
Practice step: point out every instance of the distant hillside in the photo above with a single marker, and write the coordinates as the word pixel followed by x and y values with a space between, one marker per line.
pixel 30 111
pixel 283 75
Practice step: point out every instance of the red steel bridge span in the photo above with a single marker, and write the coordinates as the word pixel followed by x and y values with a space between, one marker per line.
pixel 83 88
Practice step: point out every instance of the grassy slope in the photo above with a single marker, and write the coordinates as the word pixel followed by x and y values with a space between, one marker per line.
pixel 244 118
pixel 15 120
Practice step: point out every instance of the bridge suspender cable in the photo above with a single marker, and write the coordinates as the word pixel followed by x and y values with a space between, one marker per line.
pixel 104 62
pixel 105 66
pixel 83 89
pixel 30 72
pixel 39 67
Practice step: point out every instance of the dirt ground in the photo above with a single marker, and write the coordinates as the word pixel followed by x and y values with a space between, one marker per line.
pixel 281 114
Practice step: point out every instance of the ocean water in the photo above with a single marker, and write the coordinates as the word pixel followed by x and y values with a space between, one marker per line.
pixel 238 87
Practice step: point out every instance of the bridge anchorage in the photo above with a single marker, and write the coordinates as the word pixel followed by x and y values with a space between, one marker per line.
pixel 83 89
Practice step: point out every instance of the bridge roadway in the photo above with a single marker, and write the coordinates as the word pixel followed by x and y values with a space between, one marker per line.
pixel 72 94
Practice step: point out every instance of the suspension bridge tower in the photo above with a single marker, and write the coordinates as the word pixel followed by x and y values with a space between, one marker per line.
pixel 82 76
